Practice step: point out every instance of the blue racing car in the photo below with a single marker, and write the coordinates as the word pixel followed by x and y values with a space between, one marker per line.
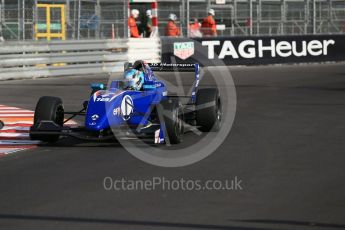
pixel 139 105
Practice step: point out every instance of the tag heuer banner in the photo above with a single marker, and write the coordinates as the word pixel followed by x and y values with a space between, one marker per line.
pixel 183 50
pixel 254 50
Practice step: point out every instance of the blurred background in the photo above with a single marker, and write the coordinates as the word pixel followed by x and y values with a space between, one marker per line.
pixel 106 19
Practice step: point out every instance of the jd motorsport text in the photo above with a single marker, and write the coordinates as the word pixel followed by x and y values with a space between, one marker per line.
pixel 254 49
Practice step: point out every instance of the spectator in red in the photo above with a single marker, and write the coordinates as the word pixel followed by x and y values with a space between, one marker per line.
pixel 148 28
pixel 208 26
pixel 194 29
pixel 133 28
pixel 172 29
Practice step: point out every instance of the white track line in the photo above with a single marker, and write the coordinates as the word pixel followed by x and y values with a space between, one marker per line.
pixel 14 111
pixel 18 142
pixel 16 115
pixel 12 141
pixel 19 128
pixel 14 134
pixel 11 108
pixel 9 150
pixel 19 122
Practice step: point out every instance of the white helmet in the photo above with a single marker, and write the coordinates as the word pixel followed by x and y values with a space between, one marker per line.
pixel 148 13
pixel 135 13
pixel 172 17
pixel 211 11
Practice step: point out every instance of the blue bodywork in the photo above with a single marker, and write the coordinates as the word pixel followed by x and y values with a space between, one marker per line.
pixel 116 107
pixel 116 111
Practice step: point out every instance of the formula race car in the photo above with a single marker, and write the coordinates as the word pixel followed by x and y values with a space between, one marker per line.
pixel 122 112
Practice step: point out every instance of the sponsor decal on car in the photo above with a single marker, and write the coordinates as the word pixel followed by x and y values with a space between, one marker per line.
pixel 127 107
pixel 94 117
pixel 117 111
pixel 105 99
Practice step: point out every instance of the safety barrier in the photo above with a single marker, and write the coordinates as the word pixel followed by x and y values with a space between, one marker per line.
pixel 57 58
pixel 148 49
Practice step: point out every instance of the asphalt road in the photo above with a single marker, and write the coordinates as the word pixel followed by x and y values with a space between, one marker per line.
pixel 286 146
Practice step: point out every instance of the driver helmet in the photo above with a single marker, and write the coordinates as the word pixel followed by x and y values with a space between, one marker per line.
pixel 134 79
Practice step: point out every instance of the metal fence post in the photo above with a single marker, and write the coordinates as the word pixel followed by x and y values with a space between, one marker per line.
pixel 251 17
pixel 1 15
pixel 306 16
pixel 282 11
pixel 23 19
pixel 98 13
pixel 329 21
pixel 259 17
pixel 79 14
pixel 126 16
pixel 235 17
pixel 314 17
pixel 188 17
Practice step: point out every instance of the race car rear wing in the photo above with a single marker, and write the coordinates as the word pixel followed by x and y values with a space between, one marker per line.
pixel 170 67
pixel 165 67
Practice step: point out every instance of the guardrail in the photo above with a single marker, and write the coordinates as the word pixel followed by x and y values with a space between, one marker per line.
pixel 57 58
pixel 148 49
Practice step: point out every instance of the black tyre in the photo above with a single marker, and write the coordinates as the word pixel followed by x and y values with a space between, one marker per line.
pixel 208 110
pixel 48 109
pixel 173 117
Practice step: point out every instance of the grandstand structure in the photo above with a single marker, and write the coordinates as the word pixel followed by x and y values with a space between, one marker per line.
pixel 104 19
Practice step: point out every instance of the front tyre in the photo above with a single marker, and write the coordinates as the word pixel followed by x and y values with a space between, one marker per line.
pixel 173 118
pixel 48 109
pixel 208 110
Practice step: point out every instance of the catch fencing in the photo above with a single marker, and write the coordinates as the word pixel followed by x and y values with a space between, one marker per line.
pixel 107 19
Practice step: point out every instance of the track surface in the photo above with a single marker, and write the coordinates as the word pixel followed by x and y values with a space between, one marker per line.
pixel 287 145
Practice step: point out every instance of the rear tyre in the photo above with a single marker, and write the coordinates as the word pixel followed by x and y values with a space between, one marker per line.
pixel 48 109
pixel 208 110
pixel 173 118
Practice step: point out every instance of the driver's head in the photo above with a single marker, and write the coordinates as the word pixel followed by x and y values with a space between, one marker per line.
pixel 134 79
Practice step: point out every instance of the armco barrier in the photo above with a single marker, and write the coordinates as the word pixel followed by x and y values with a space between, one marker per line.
pixel 56 58
pixel 254 50
pixel 148 49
